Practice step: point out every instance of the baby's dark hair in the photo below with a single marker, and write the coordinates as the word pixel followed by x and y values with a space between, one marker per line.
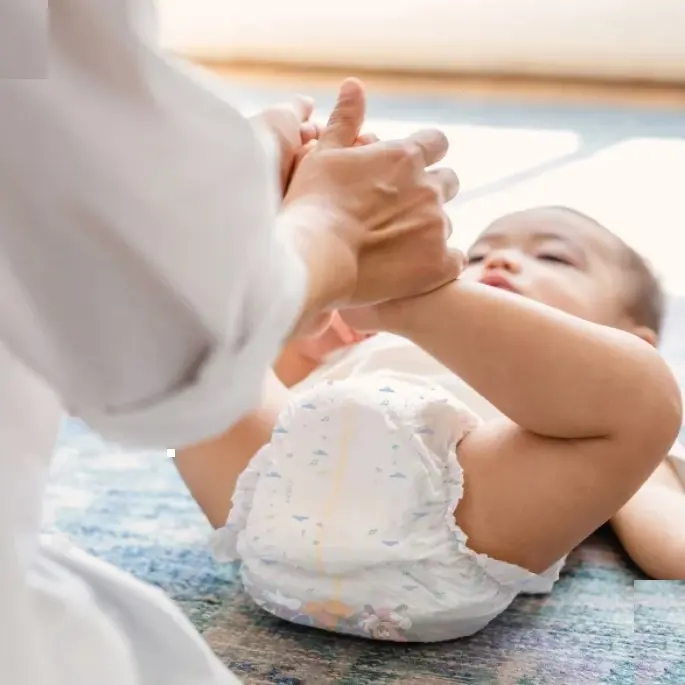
pixel 646 303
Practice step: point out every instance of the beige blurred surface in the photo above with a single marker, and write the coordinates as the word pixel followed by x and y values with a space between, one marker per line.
pixel 494 87
pixel 613 39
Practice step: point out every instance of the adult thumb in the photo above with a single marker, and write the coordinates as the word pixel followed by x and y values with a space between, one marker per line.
pixel 347 117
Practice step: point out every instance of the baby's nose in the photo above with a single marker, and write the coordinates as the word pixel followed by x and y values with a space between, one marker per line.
pixel 505 260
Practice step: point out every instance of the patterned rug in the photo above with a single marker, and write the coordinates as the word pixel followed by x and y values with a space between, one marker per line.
pixel 604 624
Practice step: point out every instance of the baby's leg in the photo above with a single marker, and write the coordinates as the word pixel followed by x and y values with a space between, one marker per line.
pixel 211 469
pixel 529 500
pixel 651 526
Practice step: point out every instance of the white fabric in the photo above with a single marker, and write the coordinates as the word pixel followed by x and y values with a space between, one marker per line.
pixel 345 521
pixel 402 359
pixel 142 281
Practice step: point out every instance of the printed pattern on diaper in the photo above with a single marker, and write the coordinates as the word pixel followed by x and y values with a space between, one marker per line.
pixel 344 522
pixel 348 462
pixel 333 615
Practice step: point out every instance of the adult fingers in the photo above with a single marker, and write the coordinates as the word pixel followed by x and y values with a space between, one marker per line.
pixel 431 143
pixel 455 263
pixel 367 139
pixel 445 181
pixel 448 227
pixel 347 116
pixel 310 131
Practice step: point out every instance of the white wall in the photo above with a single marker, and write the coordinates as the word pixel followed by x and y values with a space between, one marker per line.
pixel 602 38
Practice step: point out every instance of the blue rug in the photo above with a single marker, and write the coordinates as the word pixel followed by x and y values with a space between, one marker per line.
pixel 604 624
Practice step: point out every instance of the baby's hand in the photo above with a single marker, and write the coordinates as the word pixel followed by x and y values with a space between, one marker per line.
pixel 334 336
pixel 367 320
pixel 293 130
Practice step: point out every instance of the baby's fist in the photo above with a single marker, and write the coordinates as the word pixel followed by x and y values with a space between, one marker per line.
pixel 364 319
pixel 336 335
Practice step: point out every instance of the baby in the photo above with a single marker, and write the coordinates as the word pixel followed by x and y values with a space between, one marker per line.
pixel 411 484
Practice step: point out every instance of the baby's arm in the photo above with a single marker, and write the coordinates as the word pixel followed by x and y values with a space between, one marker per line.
pixel 651 526
pixel 211 469
pixel 592 412
pixel 301 357
pixel 293 366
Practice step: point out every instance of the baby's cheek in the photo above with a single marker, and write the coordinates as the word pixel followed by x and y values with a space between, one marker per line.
pixel 573 298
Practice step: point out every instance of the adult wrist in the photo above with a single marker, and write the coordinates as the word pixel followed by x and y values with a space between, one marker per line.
pixel 330 262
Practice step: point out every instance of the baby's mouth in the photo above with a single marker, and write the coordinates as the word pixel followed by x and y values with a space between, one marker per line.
pixel 498 281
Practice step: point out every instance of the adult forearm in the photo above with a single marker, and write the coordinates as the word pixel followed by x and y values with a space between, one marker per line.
pixel 549 372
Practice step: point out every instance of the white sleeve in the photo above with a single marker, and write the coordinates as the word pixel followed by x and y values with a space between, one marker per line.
pixel 140 270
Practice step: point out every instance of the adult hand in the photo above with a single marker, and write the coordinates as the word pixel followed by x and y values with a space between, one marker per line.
pixel 375 227
pixel 292 129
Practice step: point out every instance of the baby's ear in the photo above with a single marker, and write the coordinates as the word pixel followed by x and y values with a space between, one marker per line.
pixel 647 334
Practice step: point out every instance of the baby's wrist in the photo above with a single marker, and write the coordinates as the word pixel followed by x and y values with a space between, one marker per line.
pixel 400 316
pixel 414 315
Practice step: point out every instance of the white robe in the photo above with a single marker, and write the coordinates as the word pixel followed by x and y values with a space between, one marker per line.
pixel 143 287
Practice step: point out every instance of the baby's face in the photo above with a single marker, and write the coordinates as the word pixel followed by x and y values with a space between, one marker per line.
pixel 554 257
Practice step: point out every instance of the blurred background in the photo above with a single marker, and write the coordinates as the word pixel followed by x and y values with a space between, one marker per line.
pixel 611 39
